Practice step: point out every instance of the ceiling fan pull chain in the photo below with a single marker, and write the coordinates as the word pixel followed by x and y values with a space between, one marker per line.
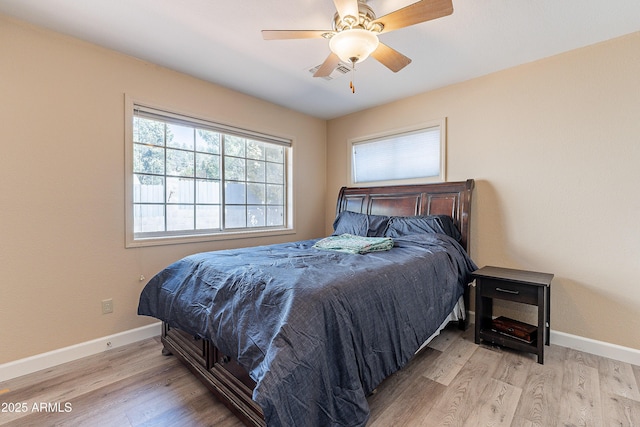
pixel 353 75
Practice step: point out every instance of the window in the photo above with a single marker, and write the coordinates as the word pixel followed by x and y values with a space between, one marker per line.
pixel 191 177
pixel 406 156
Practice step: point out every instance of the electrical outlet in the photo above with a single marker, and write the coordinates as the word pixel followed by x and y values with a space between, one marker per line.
pixel 107 306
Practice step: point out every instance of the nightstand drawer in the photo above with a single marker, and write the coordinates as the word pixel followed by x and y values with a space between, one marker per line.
pixel 511 291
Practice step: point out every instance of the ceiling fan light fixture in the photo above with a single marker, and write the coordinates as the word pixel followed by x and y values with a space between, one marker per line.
pixel 353 45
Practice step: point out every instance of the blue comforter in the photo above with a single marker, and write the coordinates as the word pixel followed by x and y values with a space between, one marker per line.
pixel 316 330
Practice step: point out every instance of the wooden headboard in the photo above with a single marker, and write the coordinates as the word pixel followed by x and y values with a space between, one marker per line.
pixel 447 198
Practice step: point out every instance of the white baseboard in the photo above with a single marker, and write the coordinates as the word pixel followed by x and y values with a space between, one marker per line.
pixel 599 348
pixel 47 360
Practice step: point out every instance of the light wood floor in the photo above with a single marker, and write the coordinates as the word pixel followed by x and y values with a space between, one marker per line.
pixel 453 382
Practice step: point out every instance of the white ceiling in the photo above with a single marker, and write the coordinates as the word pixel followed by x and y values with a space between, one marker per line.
pixel 220 41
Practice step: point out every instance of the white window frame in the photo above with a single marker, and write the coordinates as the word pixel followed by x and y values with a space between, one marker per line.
pixel 132 241
pixel 441 177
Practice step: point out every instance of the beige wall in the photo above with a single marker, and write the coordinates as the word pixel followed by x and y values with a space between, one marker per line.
pixel 554 147
pixel 62 183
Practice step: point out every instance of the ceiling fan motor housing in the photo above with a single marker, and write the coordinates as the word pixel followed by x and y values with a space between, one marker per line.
pixel 363 21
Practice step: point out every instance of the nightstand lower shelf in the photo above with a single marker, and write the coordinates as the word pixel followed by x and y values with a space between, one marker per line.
pixel 505 341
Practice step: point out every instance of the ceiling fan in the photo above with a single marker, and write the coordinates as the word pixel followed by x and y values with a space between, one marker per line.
pixel 355 31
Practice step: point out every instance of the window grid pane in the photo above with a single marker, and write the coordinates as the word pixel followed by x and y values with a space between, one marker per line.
pixel 188 179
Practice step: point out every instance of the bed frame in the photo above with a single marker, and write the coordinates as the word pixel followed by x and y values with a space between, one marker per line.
pixel 227 379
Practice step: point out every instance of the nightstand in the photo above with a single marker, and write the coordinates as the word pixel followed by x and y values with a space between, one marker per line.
pixel 526 287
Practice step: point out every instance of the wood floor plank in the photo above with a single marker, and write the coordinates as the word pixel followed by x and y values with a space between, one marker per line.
pixel 539 403
pixel 455 405
pixel 197 411
pixel 115 398
pixel 185 402
pixel 496 406
pixel 513 370
pixel 449 363
pixel 442 341
pixel 617 378
pixel 581 357
pixel 621 411
pixel 395 385
pixel 581 396
pixel 411 406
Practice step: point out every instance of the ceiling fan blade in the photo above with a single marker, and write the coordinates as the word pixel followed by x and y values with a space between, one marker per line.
pixel 328 65
pixel 346 8
pixel 293 34
pixel 422 11
pixel 390 58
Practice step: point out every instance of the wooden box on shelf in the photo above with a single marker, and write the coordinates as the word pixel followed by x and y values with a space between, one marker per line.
pixel 514 329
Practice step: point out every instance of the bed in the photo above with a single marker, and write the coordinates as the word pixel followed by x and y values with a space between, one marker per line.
pixel 290 334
